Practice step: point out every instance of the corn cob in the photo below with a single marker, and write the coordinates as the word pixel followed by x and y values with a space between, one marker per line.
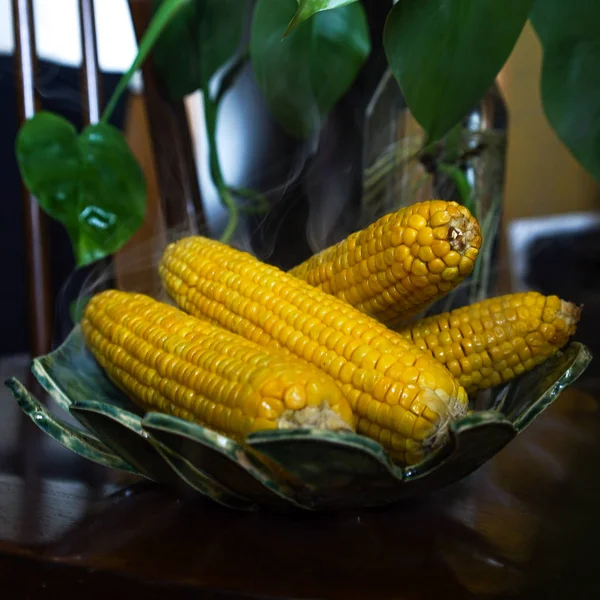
pixel 401 263
pixel 400 395
pixel 168 361
pixel 493 341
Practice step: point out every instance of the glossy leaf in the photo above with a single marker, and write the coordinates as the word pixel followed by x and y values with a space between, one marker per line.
pixel 307 8
pixel 165 13
pixel 197 42
pixel 445 54
pixel 303 75
pixel 91 183
pixel 570 37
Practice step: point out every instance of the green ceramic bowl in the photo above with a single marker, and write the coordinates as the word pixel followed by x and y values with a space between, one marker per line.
pixel 300 468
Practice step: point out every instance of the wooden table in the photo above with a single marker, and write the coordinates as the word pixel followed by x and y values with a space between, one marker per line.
pixel 525 525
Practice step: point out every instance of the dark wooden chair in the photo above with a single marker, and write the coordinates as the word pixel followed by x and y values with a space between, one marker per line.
pixel 176 177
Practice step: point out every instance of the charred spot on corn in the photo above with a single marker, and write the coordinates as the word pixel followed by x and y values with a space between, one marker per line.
pixel 401 263
pixel 168 361
pixel 462 234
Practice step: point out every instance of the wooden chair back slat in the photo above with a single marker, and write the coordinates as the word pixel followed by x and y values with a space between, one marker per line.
pixel 91 91
pixel 172 141
pixel 36 242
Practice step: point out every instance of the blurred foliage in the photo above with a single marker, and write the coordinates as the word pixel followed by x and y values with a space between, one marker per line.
pixel 306 54
pixel 303 75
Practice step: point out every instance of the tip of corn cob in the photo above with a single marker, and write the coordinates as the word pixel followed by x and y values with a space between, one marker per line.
pixel 320 417
pixel 455 407
pixel 401 263
pixel 570 313
pixel 463 234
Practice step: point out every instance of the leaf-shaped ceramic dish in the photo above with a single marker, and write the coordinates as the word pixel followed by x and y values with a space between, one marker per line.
pixel 280 468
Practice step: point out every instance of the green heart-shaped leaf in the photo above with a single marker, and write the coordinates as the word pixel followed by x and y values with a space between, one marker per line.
pixel 307 8
pixel 200 39
pixel 91 183
pixel 445 54
pixel 304 75
pixel 570 37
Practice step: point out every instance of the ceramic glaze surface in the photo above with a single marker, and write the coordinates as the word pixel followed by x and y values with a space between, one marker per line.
pixel 312 470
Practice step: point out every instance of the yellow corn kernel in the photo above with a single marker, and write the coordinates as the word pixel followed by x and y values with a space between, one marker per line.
pixel 432 238
pixel 168 361
pixel 520 331
pixel 368 361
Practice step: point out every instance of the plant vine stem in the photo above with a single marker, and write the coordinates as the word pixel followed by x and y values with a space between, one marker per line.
pixel 210 119
pixel 261 204
pixel 229 76
pixel 163 16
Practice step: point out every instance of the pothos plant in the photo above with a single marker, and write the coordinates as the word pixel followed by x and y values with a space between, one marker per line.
pixel 305 54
